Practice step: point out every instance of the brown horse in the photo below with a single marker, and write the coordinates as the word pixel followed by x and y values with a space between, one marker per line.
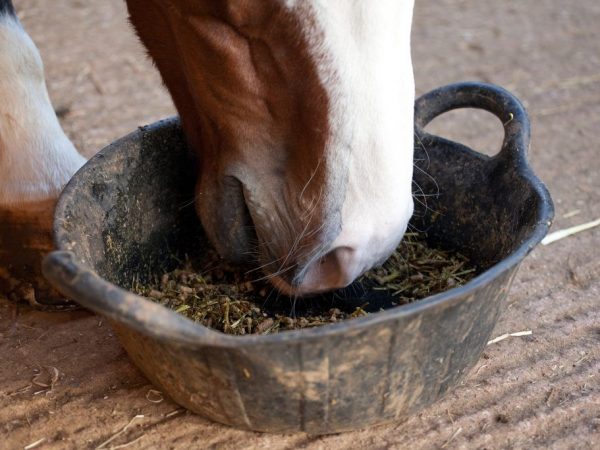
pixel 301 112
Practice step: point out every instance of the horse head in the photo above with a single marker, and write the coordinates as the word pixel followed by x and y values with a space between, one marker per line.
pixel 301 114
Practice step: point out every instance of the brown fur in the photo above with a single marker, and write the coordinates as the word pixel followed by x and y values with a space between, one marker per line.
pixel 25 238
pixel 250 100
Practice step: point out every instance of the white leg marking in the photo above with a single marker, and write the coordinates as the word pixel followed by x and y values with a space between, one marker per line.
pixel 36 158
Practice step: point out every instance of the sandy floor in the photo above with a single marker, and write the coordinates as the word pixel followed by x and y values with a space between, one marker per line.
pixel 540 391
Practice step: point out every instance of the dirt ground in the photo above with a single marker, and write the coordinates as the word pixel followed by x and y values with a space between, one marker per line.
pixel 538 391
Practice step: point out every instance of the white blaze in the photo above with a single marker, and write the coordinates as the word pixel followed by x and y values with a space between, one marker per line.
pixel 366 68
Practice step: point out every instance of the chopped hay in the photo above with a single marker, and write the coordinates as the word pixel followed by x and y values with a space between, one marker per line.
pixel 230 299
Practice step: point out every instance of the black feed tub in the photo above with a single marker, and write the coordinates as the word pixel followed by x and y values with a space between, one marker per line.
pixel 121 218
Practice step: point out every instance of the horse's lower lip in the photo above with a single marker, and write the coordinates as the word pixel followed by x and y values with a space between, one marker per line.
pixel 284 287
pixel 294 291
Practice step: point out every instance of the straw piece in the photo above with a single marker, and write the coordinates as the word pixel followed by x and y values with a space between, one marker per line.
pixel 119 433
pixel 561 234
pixel 454 435
pixel 34 444
pixel 572 213
pixel 507 335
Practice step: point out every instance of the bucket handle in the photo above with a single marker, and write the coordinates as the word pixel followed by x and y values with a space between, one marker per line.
pixel 488 97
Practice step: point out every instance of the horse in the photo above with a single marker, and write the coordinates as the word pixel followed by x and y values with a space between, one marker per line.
pixel 300 113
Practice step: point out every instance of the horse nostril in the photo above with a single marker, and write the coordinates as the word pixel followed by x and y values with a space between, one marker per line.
pixel 336 269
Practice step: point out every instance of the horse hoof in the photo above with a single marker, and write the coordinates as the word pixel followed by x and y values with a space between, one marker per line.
pixel 25 238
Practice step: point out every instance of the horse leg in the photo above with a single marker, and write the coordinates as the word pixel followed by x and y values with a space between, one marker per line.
pixel 36 161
